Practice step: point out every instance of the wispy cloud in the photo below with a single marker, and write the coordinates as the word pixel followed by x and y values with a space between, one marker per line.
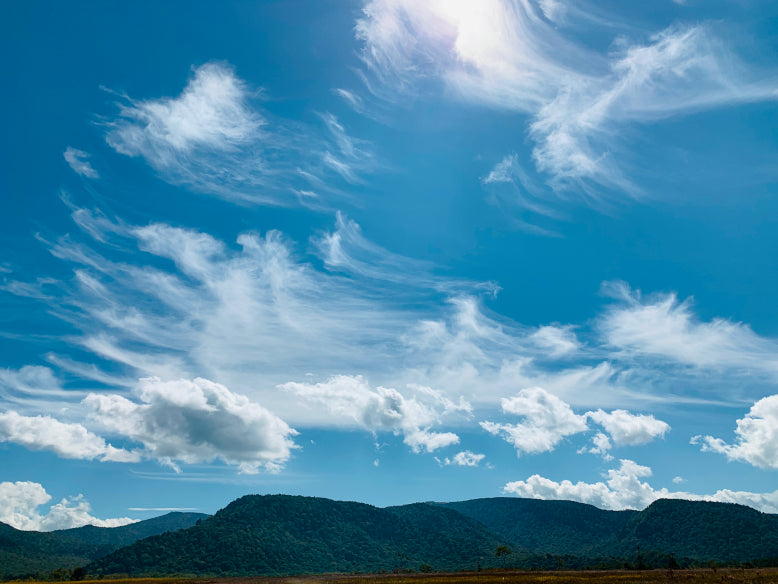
pixel 79 162
pixel 662 326
pixel 625 488
pixel 19 503
pixel 509 54
pixel 216 138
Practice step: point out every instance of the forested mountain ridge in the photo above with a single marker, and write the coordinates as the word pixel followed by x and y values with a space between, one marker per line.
pixel 555 527
pixel 284 534
pixel 281 534
pixel 25 553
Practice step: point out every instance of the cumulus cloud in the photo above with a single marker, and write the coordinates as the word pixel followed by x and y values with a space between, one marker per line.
pixel 547 420
pixel 511 54
pixel 464 458
pixel 196 421
pixel 625 488
pixel 626 429
pixel 756 436
pixel 383 409
pixel 79 162
pixel 19 503
pixel 661 326
pixel 65 440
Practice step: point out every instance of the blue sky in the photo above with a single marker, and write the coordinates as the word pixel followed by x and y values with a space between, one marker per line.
pixel 386 251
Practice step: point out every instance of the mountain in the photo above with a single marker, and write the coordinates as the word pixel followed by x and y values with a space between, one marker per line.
pixel 548 527
pixel 282 534
pixel 25 553
pixel 701 530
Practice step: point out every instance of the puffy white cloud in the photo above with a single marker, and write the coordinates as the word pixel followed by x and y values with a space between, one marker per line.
pixel 66 440
pixel 383 409
pixel 19 503
pixel 79 162
pixel 661 326
pixel 464 458
pixel 626 429
pixel 547 421
pixel 196 421
pixel 756 436
pixel 625 489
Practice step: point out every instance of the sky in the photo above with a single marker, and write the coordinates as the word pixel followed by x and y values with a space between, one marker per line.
pixel 386 251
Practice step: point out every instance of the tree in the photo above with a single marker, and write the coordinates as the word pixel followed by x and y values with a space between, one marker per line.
pixel 501 552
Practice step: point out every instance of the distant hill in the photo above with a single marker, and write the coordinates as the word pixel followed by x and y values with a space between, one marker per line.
pixel 26 553
pixel 697 529
pixel 555 527
pixel 282 534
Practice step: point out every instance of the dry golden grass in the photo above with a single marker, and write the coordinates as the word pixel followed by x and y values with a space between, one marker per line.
pixel 721 576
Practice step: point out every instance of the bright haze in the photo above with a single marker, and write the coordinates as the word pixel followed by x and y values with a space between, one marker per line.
pixel 386 251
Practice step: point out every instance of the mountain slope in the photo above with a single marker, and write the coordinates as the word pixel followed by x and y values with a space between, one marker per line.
pixel 555 527
pixel 281 534
pixel 701 530
pixel 24 553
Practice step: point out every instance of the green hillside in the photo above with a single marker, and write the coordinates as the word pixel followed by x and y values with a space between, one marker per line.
pixel 280 534
pixel 26 553
pixel 705 531
pixel 553 527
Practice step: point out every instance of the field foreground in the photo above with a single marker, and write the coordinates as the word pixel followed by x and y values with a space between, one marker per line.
pixel 696 576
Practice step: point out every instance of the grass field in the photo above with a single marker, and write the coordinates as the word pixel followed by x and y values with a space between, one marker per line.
pixel 698 576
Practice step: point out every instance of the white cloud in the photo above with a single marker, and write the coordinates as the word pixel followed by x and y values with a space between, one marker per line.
pixel 19 503
pixel 383 409
pixel 79 162
pixel 32 384
pixel 558 341
pixel 65 440
pixel 547 421
pixel 626 429
pixel 625 489
pixel 661 326
pixel 509 54
pixel 214 137
pixel 464 458
pixel 678 480
pixel 196 421
pixel 756 436
pixel 212 112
